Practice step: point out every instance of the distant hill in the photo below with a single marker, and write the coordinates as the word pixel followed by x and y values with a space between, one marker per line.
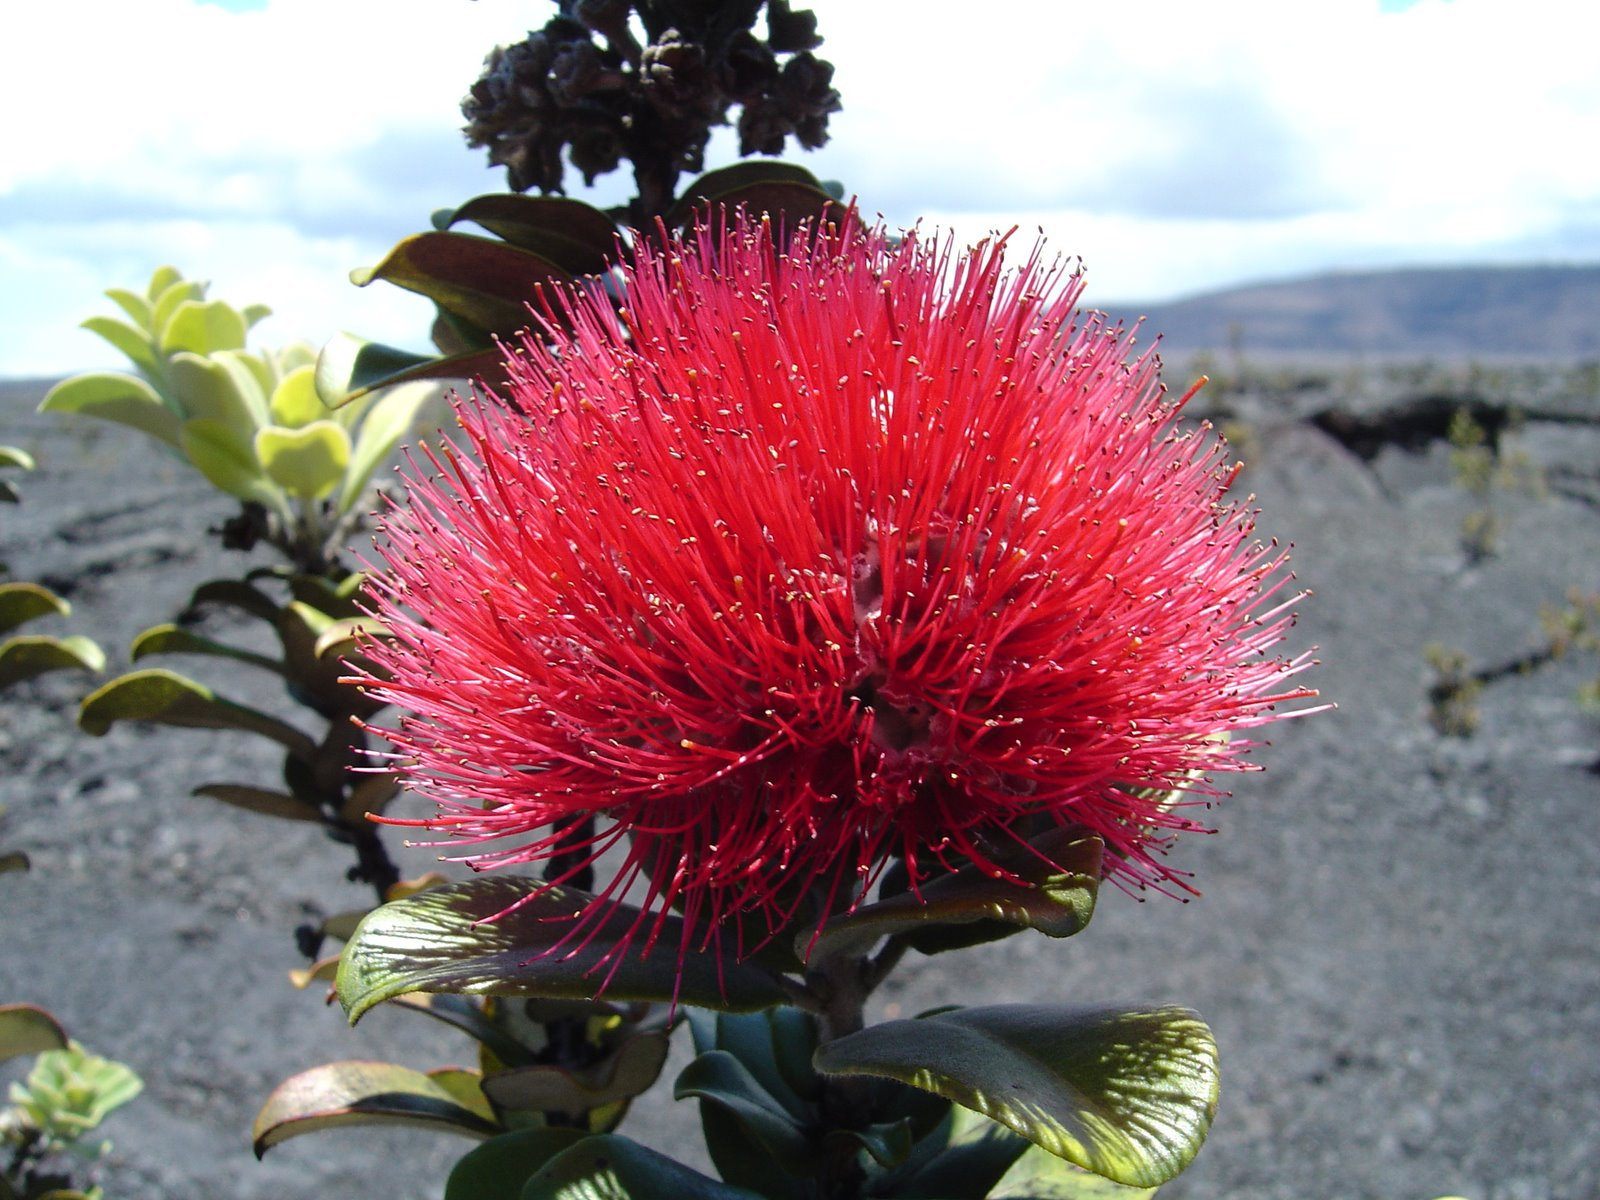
pixel 1520 312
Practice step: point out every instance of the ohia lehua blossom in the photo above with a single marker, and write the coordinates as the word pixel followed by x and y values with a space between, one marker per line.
pixel 820 552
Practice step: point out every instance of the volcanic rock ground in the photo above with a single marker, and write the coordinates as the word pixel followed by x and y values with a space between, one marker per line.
pixel 1396 944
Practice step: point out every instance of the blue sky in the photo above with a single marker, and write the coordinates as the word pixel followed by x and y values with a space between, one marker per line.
pixel 272 145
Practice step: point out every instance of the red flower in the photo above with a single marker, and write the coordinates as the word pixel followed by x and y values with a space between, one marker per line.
pixel 810 559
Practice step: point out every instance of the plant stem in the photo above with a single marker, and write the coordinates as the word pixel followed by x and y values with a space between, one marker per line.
pixel 843 985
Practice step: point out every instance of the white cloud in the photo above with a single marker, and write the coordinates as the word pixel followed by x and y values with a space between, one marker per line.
pixel 1174 146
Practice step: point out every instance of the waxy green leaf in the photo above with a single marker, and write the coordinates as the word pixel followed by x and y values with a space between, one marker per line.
pixel 202 327
pixel 370 1093
pixel 164 303
pixel 132 342
pixel 294 401
pixel 27 1029
pixel 235 593
pixel 391 419
pixel 721 1079
pixel 1040 1175
pixel 170 699
pixel 110 396
pixel 161 279
pixel 511 936
pixel 308 462
pixel 30 656
pixel 174 639
pixel 221 388
pixel 612 1167
pixel 136 306
pixel 574 236
pixel 21 602
pixel 261 800
pixel 226 456
pixel 965 1156
pixel 1127 1095
pixel 761 186
pixel 621 1075
pixel 350 367
pixel 498 1168
pixel 483 281
pixel 1054 893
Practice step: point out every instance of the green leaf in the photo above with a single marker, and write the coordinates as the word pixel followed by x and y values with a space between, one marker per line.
pixel 15 456
pixel 576 237
pixel 741 1161
pixel 392 418
pixel 226 456
pixel 263 375
pixel 1056 894
pixel 135 305
pixel 261 800
pixel 308 462
pixel 172 639
pixel 132 342
pixel 966 1156
pixel 21 602
pixel 169 699
pixel 314 677
pixel 1040 1175
pixel 221 388
pixel 165 302
pixel 760 186
pixel 162 279
pixel 111 396
pixel 27 1029
pixel 767 1044
pixel 202 327
pixel 30 656
pixel 365 1093
pixel 794 1037
pixel 889 1143
pixel 462 938
pixel 254 314
pixel 350 367
pixel 486 282
pixel 13 860
pixel 295 401
pixel 236 593
pixel 498 1168
pixel 295 355
pixel 342 639
pixel 1128 1095
pixel 721 1079
pixel 611 1167
pixel 621 1075
pixel 328 599
pixel 758 1040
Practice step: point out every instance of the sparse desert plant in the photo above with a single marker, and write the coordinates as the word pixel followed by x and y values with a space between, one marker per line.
pixel 1484 469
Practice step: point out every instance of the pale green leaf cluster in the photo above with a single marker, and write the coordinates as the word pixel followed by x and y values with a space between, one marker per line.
pixel 250 421
pixel 67 1095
